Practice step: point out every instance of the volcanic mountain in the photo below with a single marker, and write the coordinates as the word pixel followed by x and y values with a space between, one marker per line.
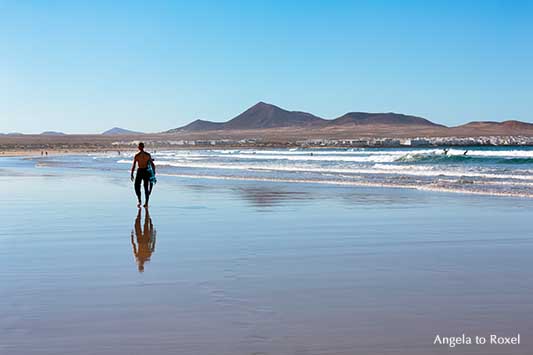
pixel 272 122
pixel 511 124
pixel 259 116
pixel 199 125
pixel 263 115
pixel 510 127
pixel 52 133
pixel 266 116
pixel 119 131
pixel 390 118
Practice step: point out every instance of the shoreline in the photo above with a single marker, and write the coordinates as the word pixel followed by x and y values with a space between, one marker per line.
pixel 73 151
pixel 52 152
pixel 297 181
pixel 353 184
pixel 34 144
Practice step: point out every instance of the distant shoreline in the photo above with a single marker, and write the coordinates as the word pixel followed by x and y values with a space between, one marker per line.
pixel 14 150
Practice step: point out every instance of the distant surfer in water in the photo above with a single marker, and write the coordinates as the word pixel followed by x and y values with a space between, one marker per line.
pixel 445 151
pixel 145 173
pixel 465 153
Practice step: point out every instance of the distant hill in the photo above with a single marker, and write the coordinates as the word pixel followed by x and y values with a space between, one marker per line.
pixel 52 133
pixel 119 131
pixel 198 125
pixel 510 124
pixel 267 121
pixel 267 116
pixel 390 118
pixel 491 128
pixel 263 115
pixel 259 116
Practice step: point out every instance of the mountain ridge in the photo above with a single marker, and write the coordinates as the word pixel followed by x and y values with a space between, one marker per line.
pixel 52 133
pixel 267 116
pixel 507 124
pixel 359 118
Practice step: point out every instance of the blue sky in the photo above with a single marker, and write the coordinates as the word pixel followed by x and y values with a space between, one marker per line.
pixel 86 66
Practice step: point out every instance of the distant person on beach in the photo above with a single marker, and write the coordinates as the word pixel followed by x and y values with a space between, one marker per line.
pixel 143 160
pixel 144 242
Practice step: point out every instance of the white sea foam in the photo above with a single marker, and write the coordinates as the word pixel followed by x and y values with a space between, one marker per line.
pixel 313 152
pixel 373 158
pixel 494 153
pixel 315 169
pixel 361 184
pixel 455 152
pixel 358 167
pixel 427 169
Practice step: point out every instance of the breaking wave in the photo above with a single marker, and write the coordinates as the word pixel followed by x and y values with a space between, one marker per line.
pixel 434 158
pixel 493 171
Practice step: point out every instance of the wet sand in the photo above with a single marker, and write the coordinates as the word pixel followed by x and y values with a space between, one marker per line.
pixel 236 267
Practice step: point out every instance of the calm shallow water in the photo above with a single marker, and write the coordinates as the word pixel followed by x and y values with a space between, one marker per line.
pixel 247 267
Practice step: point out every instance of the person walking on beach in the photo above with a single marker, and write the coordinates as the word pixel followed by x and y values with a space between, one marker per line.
pixel 145 163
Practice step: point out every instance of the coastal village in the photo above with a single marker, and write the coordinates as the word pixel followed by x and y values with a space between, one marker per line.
pixel 358 142
pixel 361 142
pixel 87 145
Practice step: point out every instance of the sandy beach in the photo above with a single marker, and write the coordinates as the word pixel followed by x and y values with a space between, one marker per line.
pixel 248 267
pixel 329 178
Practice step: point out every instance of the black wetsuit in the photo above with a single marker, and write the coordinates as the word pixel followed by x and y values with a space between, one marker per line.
pixel 144 176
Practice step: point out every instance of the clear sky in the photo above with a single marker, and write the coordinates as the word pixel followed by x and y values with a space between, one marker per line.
pixel 86 66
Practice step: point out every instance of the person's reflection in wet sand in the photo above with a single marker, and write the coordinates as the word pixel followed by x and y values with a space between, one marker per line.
pixel 145 236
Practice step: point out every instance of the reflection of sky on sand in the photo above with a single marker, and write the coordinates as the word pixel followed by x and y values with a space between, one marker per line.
pixel 257 195
pixel 267 195
pixel 256 267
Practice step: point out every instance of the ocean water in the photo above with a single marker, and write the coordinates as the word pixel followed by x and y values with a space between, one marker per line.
pixel 495 170
pixel 236 265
